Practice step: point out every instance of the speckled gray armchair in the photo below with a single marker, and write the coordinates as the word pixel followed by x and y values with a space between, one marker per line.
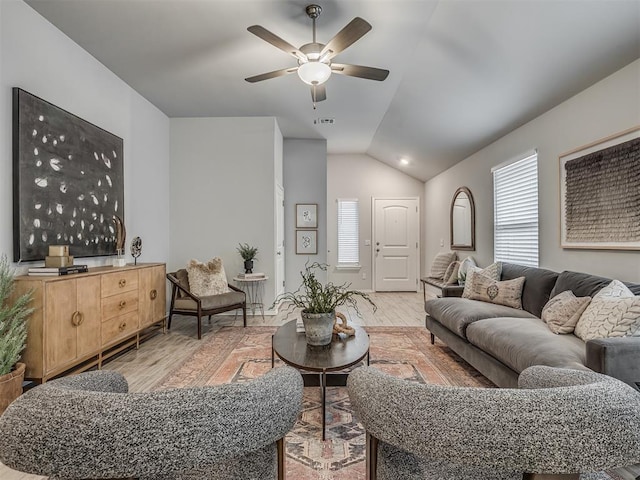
pixel 559 423
pixel 89 427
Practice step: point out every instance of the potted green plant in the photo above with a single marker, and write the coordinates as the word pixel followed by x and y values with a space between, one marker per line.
pixel 248 254
pixel 13 336
pixel 318 303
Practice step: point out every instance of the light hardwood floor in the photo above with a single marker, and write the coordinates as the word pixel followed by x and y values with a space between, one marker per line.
pixel 146 366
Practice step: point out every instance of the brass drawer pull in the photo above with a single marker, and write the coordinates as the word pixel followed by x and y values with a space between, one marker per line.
pixel 122 283
pixel 123 304
pixel 153 294
pixel 76 318
pixel 122 326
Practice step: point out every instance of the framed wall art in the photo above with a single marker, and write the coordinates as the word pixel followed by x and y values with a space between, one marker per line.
pixel 68 181
pixel 306 215
pixel 306 242
pixel 600 194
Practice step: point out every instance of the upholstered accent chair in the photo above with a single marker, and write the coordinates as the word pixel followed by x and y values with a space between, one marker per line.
pixel 88 426
pixel 557 424
pixel 185 302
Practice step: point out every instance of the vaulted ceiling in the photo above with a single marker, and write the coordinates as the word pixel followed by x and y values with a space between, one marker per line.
pixel 463 72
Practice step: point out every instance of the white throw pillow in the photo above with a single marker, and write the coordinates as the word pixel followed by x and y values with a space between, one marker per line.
pixel 207 278
pixel 563 311
pixel 507 292
pixel 613 312
pixel 493 271
pixel 440 264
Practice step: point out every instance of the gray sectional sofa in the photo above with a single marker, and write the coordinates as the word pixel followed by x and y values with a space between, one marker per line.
pixel 501 342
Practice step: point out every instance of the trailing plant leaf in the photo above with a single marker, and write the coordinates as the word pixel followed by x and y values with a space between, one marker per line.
pixel 314 297
pixel 13 319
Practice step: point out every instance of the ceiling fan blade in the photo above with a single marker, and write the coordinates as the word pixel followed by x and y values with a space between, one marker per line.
pixel 370 73
pixel 276 41
pixel 350 34
pixel 274 74
pixel 318 93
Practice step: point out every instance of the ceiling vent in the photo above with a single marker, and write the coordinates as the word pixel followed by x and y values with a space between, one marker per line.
pixel 324 121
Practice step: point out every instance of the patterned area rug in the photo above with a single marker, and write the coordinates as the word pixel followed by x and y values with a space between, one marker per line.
pixel 236 354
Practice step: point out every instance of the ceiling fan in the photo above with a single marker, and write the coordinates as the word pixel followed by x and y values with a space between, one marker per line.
pixel 314 59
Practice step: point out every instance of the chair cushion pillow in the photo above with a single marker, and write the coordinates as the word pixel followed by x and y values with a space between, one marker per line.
pixel 613 312
pixel 440 264
pixel 507 293
pixel 211 302
pixel 207 278
pixel 563 311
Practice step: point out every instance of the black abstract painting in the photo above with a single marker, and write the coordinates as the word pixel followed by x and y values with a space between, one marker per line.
pixel 68 181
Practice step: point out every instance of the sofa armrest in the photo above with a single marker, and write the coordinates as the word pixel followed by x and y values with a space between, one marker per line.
pixel 616 357
pixel 452 290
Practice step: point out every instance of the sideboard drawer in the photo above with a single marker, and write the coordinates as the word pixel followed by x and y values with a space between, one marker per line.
pixel 119 327
pixel 116 305
pixel 118 282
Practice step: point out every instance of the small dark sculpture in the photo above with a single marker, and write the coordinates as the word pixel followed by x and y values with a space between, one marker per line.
pixel 136 249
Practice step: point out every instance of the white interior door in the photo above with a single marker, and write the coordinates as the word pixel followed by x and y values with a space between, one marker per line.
pixel 279 240
pixel 396 223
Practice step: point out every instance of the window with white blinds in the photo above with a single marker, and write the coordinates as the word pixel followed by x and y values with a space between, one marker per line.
pixel 515 203
pixel 348 240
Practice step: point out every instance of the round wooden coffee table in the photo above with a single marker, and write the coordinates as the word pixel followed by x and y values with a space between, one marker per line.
pixel 343 352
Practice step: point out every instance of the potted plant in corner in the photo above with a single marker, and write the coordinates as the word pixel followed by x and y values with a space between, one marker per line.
pixel 13 336
pixel 318 304
pixel 248 254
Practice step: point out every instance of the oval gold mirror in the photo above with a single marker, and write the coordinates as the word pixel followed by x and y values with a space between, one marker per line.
pixel 463 220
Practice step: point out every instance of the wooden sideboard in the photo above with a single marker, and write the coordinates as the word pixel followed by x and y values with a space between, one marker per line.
pixel 82 319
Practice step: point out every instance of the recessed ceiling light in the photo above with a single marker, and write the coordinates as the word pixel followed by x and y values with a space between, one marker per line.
pixel 404 162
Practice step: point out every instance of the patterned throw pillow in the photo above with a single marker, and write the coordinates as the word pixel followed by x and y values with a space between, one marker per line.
pixel 493 271
pixel 613 312
pixel 508 292
pixel 563 311
pixel 207 278
pixel 440 264
pixel 451 275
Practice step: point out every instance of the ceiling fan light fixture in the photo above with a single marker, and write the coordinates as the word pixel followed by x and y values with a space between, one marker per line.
pixel 314 73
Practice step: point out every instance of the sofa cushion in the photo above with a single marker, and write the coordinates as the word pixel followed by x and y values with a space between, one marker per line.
pixel 508 292
pixel 522 342
pixel 613 312
pixel 458 313
pixel 586 285
pixel 210 303
pixel 563 311
pixel 537 287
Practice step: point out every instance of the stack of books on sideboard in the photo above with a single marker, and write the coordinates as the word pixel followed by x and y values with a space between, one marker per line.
pixel 58 262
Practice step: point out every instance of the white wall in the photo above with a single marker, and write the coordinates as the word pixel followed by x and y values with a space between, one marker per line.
pixel 305 181
pixel 223 176
pixel 610 106
pixel 362 177
pixel 37 57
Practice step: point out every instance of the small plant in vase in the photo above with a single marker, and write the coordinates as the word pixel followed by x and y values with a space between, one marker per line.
pixel 248 254
pixel 13 336
pixel 318 303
